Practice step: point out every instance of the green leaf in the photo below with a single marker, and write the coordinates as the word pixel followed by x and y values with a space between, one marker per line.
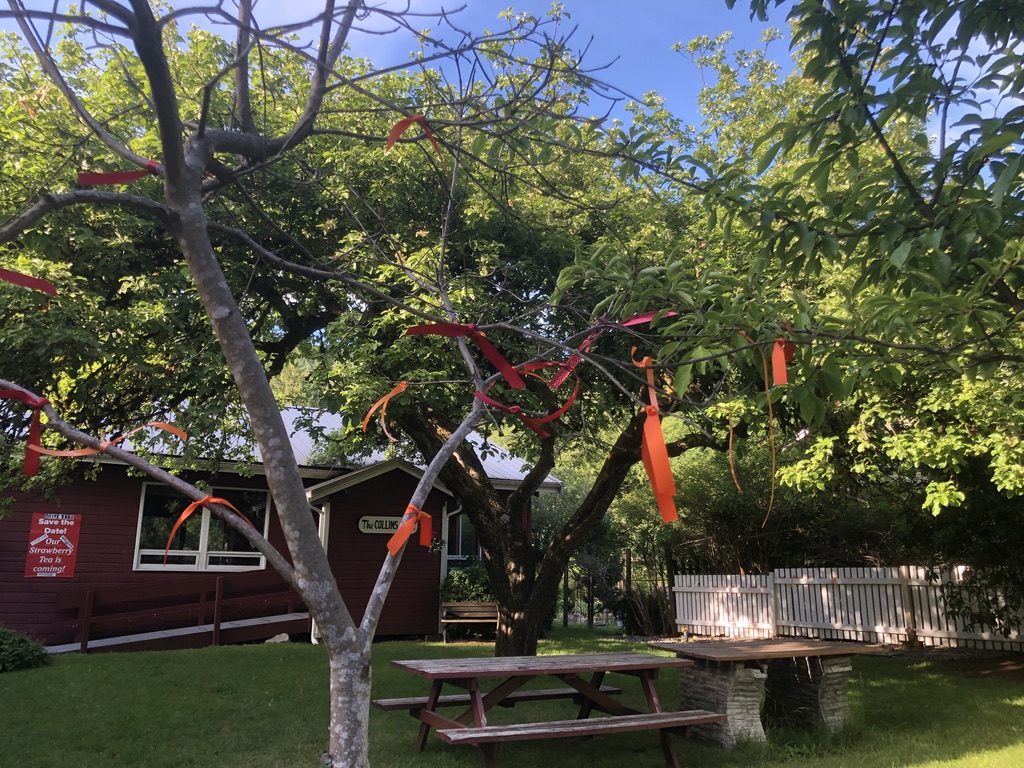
pixel 899 257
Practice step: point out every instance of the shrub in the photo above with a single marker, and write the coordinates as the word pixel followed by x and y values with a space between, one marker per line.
pixel 645 612
pixel 467 585
pixel 20 652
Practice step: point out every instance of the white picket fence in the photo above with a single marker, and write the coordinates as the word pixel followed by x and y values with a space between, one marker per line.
pixel 871 605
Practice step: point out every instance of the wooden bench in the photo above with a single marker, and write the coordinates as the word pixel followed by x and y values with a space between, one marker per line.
pixel 467 613
pixel 489 737
pixel 415 703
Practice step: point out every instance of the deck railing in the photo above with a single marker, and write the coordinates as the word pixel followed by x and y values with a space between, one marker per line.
pixel 208 601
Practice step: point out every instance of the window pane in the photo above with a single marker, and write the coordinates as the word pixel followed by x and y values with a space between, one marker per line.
pixel 239 561
pixel 172 559
pixel 253 505
pixel 161 509
pixel 467 543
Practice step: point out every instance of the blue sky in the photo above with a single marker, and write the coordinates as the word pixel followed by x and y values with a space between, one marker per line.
pixel 634 37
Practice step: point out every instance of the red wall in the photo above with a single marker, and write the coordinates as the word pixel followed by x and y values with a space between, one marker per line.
pixel 106 547
pixel 356 558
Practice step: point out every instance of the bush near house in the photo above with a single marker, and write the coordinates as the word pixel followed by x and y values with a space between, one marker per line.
pixel 17 651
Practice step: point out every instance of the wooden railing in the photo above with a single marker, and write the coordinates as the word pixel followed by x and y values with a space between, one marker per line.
pixel 873 605
pixel 196 601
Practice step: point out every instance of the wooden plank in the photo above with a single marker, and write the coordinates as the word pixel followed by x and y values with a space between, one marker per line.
pixel 505 666
pixel 463 700
pixel 569 728
pixel 754 650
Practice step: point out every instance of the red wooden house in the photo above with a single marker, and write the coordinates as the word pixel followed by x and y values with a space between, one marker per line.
pixel 87 570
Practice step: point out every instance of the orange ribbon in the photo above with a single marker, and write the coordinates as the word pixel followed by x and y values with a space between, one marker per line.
pixel 403 125
pixel 383 405
pixel 35 431
pixel 104 444
pixel 782 353
pixel 203 502
pixel 654 452
pixel 401 536
pixel 26 281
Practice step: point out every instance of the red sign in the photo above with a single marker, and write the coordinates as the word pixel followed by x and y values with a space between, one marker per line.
pixel 52 546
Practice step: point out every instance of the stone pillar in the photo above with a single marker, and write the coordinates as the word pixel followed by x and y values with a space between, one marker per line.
pixel 808 692
pixel 727 687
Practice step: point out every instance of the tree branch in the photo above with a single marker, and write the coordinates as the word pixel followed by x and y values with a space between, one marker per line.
pixel 55 202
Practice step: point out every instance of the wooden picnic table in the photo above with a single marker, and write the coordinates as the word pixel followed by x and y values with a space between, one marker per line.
pixel 804 683
pixel 513 672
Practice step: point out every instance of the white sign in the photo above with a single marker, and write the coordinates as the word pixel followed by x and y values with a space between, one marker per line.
pixel 373 524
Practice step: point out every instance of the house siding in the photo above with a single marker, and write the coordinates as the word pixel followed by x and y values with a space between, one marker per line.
pixel 356 558
pixel 109 507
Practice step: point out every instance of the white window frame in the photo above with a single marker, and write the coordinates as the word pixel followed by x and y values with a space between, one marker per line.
pixel 202 555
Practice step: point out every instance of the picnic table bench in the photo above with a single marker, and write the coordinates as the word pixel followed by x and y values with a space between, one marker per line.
pixel 414 703
pixel 467 612
pixel 471 727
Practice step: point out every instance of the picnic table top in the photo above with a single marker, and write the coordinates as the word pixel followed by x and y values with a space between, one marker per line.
pixel 754 650
pixel 514 666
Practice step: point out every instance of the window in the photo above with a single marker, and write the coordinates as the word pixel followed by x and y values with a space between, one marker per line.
pixel 461 539
pixel 203 542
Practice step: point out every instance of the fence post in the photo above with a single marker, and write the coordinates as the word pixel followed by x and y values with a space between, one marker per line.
pixel 86 615
pixel 773 606
pixel 909 614
pixel 217 600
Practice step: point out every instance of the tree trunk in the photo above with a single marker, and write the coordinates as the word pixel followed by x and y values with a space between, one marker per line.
pixel 520 628
pixel 350 705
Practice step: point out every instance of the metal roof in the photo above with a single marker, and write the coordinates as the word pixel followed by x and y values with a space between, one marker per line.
pixel 505 471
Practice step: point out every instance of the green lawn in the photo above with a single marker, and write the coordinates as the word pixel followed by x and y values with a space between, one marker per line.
pixel 266 705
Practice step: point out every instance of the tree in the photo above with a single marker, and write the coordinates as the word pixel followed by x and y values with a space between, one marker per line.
pixel 225 140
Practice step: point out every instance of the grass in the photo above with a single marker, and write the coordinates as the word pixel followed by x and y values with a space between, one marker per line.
pixel 265 706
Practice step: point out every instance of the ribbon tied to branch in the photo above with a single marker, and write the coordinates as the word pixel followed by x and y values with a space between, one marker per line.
pixel 35 430
pixel 653 450
pixel 403 125
pixel 516 410
pixel 27 281
pixel 115 177
pixel 602 325
pixel 401 536
pixel 203 502
pixel 104 444
pixel 455 330
pixel 383 405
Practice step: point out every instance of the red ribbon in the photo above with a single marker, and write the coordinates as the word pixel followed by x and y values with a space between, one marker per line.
pixel 490 351
pixel 654 452
pixel 104 444
pixel 115 177
pixel 515 410
pixel 203 502
pixel 35 430
pixel 25 281
pixel 383 405
pixel 401 536
pixel 403 125
pixel 646 317
pixel 575 359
